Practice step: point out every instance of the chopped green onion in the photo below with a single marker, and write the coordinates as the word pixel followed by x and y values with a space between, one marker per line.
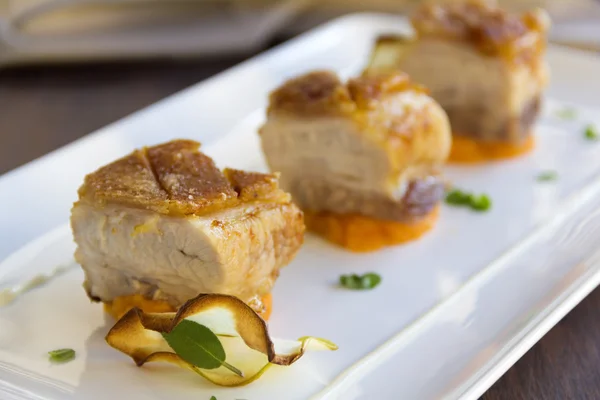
pixel 458 198
pixel 480 203
pixel 591 133
pixel 360 282
pixel 477 203
pixel 61 355
pixel 547 176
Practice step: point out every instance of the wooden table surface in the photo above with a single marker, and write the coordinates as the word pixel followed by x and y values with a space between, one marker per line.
pixel 44 108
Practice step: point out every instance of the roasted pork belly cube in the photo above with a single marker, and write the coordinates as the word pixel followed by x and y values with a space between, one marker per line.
pixel 361 158
pixel 485 67
pixel 164 224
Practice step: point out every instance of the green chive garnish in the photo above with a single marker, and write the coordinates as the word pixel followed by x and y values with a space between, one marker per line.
pixel 475 202
pixel 61 355
pixel 360 282
pixel 591 133
pixel 458 198
pixel 481 202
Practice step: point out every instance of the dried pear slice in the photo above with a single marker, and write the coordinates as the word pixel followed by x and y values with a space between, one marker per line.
pixel 244 349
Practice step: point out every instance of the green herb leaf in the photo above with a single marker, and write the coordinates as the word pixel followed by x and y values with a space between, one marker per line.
pixel 591 133
pixel 547 176
pixel 61 355
pixel 199 346
pixel 360 282
pixel 213 398
pixel 566 113
pixel 477 203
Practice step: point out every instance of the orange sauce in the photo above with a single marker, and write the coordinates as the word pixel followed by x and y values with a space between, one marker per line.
pixel 362 234
pixel 121 305
pixel 267 300
pixel 466 150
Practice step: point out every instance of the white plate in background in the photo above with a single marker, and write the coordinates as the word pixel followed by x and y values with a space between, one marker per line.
pixel 454 309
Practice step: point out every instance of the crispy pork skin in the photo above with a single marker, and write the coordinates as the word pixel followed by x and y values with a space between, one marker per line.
pixel 372 146
pixel 484 66
pixel 167 224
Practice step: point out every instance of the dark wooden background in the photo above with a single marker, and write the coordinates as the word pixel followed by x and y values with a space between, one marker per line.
pixel 43 108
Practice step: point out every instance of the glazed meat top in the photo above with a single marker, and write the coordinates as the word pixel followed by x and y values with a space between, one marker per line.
pixel 174 178
pixel 490 29
pixel 323 93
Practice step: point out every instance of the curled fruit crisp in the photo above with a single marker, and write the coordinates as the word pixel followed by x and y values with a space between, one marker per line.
pixel 217 336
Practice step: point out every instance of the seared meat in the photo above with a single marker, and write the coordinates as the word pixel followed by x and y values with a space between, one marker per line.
pixel 373 146
pixel 485 67
pixel 165 223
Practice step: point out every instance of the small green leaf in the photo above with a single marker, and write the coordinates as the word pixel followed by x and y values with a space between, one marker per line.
pixel 591 133
pixel 198 345
pixel 547 176
pixel 61 355
pixel 213 398
pixel 360 282
pixel 566 113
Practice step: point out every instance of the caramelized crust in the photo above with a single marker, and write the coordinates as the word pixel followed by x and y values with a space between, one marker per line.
pixel 129 181
pixel 371 88
pixel 318 92
pixel 191 179
pixel 322 92
pixel 252 185
pixel 490 29
pixel 174 178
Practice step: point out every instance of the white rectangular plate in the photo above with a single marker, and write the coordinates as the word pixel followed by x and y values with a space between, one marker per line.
pixel 454 309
